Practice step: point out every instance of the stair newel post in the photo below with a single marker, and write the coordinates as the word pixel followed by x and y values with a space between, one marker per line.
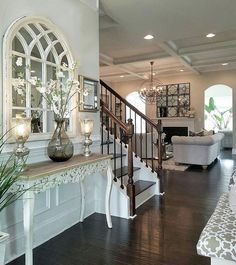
pixel 159 167
pixel 159 131
pixel 130 186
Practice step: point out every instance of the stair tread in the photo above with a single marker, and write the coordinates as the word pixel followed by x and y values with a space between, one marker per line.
pixel 106 142
pixel 124 171
pixel 142 185
pixel 117 155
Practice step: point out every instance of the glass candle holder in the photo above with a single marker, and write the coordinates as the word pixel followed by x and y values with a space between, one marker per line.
pixel 21 127
pixel 86 130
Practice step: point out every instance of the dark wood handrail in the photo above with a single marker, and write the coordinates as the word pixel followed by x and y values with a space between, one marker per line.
pixel 108 112
pixel 128 104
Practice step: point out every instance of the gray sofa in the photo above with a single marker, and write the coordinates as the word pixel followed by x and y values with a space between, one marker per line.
pixel 196 150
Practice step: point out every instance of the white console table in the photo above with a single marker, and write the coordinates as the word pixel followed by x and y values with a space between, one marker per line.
pixel 45 175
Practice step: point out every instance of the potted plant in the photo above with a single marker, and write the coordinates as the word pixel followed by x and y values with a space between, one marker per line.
pixel 9 174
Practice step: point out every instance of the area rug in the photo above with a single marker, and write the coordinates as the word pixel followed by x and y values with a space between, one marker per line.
pixel 170 165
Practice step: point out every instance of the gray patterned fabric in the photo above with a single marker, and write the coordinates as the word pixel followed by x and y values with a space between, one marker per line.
pixel 218 239
pixel 232 180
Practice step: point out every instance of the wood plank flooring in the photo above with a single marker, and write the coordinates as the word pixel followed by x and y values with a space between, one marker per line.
pixel 164 232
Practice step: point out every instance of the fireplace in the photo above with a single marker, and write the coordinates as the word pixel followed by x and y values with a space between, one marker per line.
pixel 171 131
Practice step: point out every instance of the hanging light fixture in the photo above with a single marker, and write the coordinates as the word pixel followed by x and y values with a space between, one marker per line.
pixel 151 90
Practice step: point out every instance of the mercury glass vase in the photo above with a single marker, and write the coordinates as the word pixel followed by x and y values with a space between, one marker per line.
pixel 60 147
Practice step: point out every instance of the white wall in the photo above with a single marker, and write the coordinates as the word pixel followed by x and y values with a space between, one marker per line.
pixel 78 20
pixel 198 85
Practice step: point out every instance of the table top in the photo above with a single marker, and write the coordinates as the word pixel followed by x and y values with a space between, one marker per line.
pixel 41 169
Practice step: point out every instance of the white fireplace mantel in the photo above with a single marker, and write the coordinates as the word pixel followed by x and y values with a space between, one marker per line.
pixel 177 122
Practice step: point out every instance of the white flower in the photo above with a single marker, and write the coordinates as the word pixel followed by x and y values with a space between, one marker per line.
pixel 41 89
pixel 33 80
pixel 85 93
pixel 19 61
pixel 60 74
pixel 55 98
pixel 64 65
pixel 18 82
pixel 20 91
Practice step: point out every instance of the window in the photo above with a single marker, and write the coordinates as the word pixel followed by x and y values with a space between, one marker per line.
pixel 35 49
pixel 134 99
pixel 218 108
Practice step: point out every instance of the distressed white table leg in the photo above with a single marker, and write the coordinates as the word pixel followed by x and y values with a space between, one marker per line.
pixel 82 199
pixel 108 194
pixel 28 205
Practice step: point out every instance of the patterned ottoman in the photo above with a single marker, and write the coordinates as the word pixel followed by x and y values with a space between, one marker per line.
pixel 218 239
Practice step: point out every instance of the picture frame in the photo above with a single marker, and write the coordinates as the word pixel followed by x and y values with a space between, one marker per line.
pixel 88 101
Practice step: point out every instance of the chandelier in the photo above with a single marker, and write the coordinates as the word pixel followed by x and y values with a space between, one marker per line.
pixel 151 90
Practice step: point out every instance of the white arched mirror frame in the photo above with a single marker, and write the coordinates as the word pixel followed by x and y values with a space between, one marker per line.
pixel 8 53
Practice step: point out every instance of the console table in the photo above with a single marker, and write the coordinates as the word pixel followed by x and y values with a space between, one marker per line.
pixel 39 177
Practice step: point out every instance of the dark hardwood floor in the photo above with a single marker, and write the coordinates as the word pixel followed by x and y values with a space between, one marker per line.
pixel 162 233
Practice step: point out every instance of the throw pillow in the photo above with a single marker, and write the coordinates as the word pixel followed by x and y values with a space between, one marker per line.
pixel 232 199
pixel 206 132
pixel 201 133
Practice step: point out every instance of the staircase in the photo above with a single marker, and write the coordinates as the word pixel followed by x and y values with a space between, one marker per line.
pixel 132 139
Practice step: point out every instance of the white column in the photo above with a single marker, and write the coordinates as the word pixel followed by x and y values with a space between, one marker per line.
pixel 28 208
pixel 108 194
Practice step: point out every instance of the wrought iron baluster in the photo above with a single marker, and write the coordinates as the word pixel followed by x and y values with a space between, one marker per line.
pixel 141 140
pixel 152 142
pixel 135 134
pixel 146 144
pixel 121 165
pixel 114 147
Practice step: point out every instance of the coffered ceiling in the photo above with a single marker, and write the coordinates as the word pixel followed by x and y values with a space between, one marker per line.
pixel 179 46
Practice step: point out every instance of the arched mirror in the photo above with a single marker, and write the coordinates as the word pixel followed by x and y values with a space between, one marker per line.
pixel 33 47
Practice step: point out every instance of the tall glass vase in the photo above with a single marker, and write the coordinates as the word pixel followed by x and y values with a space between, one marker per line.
pixel 60 148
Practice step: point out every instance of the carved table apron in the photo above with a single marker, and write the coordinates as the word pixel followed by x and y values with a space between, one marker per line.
pixel 46 175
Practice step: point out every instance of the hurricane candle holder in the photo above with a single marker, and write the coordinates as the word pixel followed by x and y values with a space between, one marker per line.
pixel 21 127
pixel 86 130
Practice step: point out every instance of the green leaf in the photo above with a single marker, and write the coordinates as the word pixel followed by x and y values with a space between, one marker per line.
pixel 218 118
pixel 207 108
pixel 212 104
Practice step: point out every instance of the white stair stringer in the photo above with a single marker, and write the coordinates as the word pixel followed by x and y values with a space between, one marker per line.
pixel 119 200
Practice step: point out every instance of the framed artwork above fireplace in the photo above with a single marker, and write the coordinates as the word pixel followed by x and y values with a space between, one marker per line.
pixel 174 101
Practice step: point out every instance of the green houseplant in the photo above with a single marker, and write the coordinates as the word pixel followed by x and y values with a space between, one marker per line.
pixel 9 174
pixel 220 118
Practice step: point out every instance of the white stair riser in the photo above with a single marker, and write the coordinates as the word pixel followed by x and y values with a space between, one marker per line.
pixel 145 195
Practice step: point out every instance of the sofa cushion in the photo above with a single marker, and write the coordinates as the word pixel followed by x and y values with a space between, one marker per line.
pixel 218 238
pixel 197 140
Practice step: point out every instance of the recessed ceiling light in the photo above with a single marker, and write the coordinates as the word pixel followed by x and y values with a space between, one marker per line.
pixel 181 70
pixel 224 64
pixel 148 37
pixel 121 76
pixel 153 73
pixel 210 35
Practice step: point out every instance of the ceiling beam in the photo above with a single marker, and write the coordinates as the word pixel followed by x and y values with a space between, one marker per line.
pixel 140 58
pixel 171 49
pixel 105 59
pixel 202 63
pixel 207 47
